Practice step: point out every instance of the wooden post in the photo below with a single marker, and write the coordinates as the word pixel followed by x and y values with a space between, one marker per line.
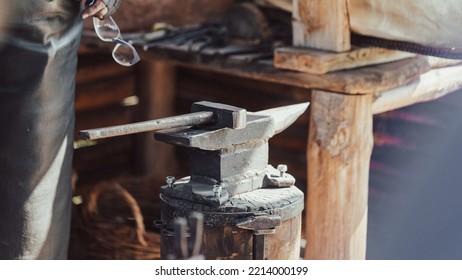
pixel 339 150
pixel 157 90
pixel 321 24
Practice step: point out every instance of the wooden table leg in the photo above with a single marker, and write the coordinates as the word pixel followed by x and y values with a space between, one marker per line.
pixel 156 87
pixel 339 150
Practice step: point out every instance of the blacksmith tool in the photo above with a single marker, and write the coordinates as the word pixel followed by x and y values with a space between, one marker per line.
pixel 251 209
pixel 217 115
pixel 209 34
pixel 236 159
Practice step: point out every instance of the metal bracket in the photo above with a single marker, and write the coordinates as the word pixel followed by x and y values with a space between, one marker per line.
pixel 260 223
pixel 278 177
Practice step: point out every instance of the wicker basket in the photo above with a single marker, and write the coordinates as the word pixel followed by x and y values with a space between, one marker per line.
pixel 117 232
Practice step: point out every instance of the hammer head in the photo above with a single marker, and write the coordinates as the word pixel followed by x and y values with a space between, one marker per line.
pixel 225 115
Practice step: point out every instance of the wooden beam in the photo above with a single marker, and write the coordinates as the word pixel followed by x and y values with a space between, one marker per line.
pixel 321 62
pixel 438 62
pixel 107 92
pixel 98 71
pixel 321 24
pixel 356 81
pixel 157 91
pixel 425 22
pixel 339 150
pixel 285 5
pixel 431 85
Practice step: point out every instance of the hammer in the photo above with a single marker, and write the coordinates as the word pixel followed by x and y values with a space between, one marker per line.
pixel 215 115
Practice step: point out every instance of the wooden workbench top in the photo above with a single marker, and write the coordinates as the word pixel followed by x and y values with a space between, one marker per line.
pixel 363 80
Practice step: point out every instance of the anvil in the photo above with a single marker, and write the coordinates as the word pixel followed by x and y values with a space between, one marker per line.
pixel 242 198
pixel 227 159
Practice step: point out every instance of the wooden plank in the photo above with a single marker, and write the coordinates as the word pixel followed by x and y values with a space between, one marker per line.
pixel 339 149
pixel 321 24
pixel 136 15
pixel 321 62
pixel 97 71
pixel 103 93
pixel 425 22
pixel 430 86
pixel 437 62
pixel 285 5
pixel 157 90
pixel 357 81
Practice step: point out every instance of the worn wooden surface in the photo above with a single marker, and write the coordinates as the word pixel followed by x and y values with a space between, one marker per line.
pixel 431 85
pixel 285 5
pixel 105 69
pixel 362 80
pixel 285 243
pixel 339 149
pixel 356 81
pixel 437 62
pixel 321 24
pixel 427 22
pixel 230 228
pixel 104 93
pixel 230 243
pixel 321 62
pixel 135 15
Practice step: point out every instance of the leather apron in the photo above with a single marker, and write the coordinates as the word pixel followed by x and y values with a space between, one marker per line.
pixel 38 58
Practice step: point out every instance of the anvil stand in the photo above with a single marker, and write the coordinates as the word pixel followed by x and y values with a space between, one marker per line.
pixel 251 209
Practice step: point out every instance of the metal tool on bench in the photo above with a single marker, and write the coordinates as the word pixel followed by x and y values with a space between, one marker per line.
pixel 251 209
pixel 207 34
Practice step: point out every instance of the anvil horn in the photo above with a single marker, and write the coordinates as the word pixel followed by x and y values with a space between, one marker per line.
pixel 283 116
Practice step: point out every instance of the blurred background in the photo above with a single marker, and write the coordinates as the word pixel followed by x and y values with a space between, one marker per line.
pixel 416 182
